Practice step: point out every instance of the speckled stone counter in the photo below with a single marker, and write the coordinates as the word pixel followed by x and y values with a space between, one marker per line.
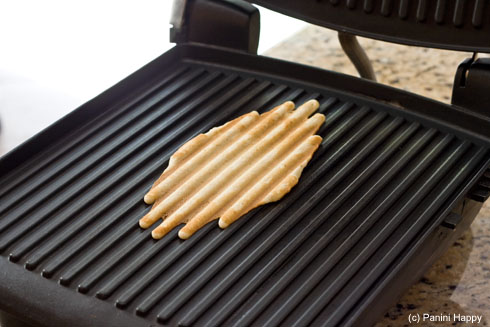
pixel 459 282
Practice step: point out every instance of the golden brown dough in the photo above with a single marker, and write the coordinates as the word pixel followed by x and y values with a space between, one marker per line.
pixel 228 171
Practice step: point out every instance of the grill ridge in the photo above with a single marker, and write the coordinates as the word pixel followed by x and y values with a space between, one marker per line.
pixel 111 116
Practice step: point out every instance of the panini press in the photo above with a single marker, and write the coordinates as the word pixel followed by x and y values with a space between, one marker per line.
pixel 397 178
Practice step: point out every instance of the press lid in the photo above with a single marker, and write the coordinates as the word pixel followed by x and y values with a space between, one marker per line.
pixel 448 24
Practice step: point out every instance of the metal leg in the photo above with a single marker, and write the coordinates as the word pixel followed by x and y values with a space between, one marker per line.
pixel 357 55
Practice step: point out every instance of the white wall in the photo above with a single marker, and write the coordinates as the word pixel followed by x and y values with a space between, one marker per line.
pixel 57 54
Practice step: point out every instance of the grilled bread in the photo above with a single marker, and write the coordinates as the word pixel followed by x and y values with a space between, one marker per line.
pixel 228 171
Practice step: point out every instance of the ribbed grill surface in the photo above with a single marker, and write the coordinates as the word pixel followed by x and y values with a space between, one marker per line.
pixel 71 213
pixel 455 12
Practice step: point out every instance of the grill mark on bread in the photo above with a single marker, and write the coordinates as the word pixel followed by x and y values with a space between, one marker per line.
pixel 250 161
pixel 210 168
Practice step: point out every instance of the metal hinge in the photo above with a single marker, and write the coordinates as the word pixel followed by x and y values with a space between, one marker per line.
pixel 472 84
pixel 233 24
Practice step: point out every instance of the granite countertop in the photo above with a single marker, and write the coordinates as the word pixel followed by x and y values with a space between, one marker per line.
pixel 459 282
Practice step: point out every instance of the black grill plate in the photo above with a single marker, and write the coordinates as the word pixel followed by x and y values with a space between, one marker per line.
pixel 70 199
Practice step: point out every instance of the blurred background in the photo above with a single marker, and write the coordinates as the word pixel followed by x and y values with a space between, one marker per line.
pixel 55 55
